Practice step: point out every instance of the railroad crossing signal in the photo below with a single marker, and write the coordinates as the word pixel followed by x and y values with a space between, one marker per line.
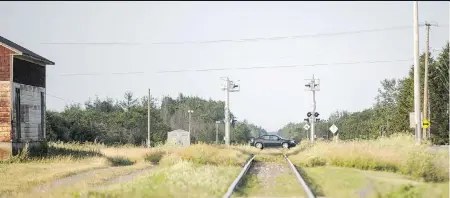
pixel 425 124
pixel 306 127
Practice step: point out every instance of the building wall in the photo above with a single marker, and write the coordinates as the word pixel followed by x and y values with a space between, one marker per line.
pixel 29 117
pixel 31 126
pixel 5 102
pixel 181 138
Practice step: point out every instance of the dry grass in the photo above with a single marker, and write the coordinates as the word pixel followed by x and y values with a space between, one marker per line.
pixel 200 170
pixel 201 154
pixel 30 174
pixel 86 184
pixel 63 159
pixel 396 154
pixel 134 154
pixel 350 182
pixel 183 179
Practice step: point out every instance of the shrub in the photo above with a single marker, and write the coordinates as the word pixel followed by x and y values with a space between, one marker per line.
pixel 154 157
pixel 119 161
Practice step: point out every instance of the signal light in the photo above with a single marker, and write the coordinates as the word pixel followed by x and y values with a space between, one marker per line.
pixel 233 122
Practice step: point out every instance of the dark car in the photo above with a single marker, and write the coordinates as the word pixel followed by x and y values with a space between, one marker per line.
pixel 272 141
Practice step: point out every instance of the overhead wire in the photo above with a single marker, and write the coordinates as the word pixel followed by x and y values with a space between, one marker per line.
pixel 237 40
pixel 243 68
pixel 65 100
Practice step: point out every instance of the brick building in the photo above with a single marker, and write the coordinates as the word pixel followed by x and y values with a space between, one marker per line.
pixel 22 98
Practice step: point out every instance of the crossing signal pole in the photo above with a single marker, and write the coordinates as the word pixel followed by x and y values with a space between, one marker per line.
pixel 426 112
pixel 313 85
pixel 229 86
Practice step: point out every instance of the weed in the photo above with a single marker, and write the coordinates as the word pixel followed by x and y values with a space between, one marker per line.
pixel 119 161
pixel 154 157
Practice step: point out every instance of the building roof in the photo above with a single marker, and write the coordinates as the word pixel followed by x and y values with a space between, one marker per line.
pixel 25 52
pixel 178 131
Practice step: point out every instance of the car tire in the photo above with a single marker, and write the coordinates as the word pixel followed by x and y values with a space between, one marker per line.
pixel 285 145
pixel 259 145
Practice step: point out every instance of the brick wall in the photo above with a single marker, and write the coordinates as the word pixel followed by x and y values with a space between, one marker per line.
pixel 5 94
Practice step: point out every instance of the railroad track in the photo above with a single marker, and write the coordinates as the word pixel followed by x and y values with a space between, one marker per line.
pixel 248 166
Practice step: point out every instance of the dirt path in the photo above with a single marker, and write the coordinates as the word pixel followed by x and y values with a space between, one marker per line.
pixel 87 175
pixel 269 179
pixel 123 178
pixel 70 179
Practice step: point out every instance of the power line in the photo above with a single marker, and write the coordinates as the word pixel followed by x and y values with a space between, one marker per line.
pixel 96 74
pixel 90 43
pixel 282 66
pixel 235 40
pixel 65 100
pixel 245 68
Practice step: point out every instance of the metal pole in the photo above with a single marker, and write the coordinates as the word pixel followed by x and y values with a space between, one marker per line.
pixel 328 132
pixel 425 86
pixel 227 112
pixel 417 73
pixel 148 119
pixel 217 133
pixel 189 112
pixel 313 118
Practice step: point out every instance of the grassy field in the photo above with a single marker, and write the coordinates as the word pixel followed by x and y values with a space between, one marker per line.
pixel 197 171
pixel 64 160
pixel 203 170
pixel 349 182
pixel 397 154
pixel 387 167
pixel 200 170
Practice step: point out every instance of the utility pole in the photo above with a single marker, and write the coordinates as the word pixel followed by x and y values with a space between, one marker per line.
pixel 426 104
pixel 416 72
pixel 313 85
pixel 217 132
pixel 190 111
pixel 148 119
pixel 229 86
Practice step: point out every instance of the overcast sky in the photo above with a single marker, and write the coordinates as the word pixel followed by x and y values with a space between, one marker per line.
pixel 269 97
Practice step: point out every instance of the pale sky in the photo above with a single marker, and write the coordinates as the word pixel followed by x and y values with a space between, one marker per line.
pixel 270 98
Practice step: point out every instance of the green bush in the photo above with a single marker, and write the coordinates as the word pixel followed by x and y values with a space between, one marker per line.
pixel 120 161
pixel 154 157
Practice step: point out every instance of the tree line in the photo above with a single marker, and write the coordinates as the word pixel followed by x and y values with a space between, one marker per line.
pixel 390 113
pixel 125 121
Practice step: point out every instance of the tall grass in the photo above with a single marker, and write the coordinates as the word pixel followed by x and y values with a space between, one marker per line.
pixel 399 153
pixel 201 154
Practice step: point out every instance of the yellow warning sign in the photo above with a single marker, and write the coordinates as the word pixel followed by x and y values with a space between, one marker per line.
pixel 425 124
